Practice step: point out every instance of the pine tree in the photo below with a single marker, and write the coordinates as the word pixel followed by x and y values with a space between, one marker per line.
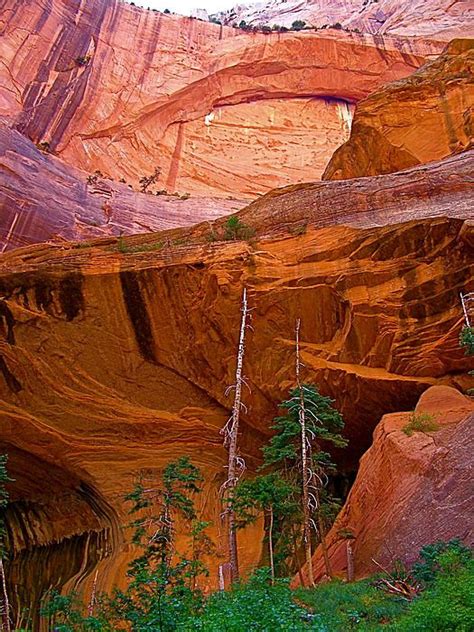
pixel 292 441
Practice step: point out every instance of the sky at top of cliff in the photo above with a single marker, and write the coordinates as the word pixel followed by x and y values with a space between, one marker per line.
pixel 185 7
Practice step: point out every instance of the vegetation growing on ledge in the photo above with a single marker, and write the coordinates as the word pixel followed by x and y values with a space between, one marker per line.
pixel 466 340
pixel 420 422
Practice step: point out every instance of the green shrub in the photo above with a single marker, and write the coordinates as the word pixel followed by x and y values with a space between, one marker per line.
pixel 253 606
pixel 235 230
pixel 440 557
pixel 447 605
pixel 466 340
pixel 420 422
pixel 337 606
pixel 298 25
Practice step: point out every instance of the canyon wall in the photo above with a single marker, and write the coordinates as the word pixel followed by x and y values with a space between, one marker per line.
pixel 115 359
pixel 113 87
pixel 393 128
pixel 410 490
pixel 440 18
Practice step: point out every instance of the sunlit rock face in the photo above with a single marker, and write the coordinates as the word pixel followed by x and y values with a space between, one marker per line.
pixel 121 89
pixel 44 199
pixel 440 18
pixel 424 117
pixel 410 490
pixel 114 361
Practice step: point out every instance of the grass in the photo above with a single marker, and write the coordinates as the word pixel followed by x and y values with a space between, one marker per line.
pixel 124 248
pixel 420 422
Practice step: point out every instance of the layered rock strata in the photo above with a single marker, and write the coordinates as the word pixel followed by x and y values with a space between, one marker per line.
pixel 394 128
pixel 115 356
pixel 113 87
pixel 440 18
pixel 44 199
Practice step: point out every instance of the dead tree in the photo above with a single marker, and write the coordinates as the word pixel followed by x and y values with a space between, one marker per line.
pixel 467 302
pixel 305 463
pixel 236 464
pixel 6 627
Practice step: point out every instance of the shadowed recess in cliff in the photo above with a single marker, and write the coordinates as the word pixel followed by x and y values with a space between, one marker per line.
pixel 138 314
pixel 58 529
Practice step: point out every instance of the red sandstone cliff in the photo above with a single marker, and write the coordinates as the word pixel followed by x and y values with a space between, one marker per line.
pixel 424 117
pixel 219 111
pixel 410 490
pixel 115 362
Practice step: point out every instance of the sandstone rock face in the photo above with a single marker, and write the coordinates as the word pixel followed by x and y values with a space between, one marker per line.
pixel 410 490
pixel 424 117
pixel 44 199
pixel 113 363
pixel 113 87
pixel 442 18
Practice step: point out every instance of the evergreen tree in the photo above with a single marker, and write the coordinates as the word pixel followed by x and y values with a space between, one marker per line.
pixel 300 457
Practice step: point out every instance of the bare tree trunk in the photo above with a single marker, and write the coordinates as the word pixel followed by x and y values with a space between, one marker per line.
pixel 235 462
pixel 305 465
pixel 350 561
pixel 298 562
pixel 270 546
pixel 324 548
pixel 90 609
pixel 6 604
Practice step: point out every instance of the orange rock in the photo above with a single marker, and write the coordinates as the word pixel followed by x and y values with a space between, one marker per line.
pixel 424 117
pixel 123 90
pixel 113 363
pixel 410 490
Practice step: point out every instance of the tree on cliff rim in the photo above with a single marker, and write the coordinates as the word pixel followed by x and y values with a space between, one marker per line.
pixel 296 452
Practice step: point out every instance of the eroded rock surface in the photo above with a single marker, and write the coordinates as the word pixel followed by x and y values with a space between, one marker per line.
pixel 44 199
pixel 442 18
pixel 113 87
pixel 424 117
pixel 114 363
pixel 410 490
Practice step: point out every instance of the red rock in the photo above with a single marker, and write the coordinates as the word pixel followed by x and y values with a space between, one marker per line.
pixel 394 128
pixel 44 199
pixel 410 490
pixel 147 97
pixel 116 362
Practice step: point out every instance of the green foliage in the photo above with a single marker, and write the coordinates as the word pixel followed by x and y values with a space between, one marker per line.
pixel 448 602
pixel 64 614
pixel 466 340
pixel 147 181
pixel 324 422
pixel 337 606
pixel 298 25
pixel 262 493
pixel 235 230
pixel 253 606
pixel 436 557
pixel 420 422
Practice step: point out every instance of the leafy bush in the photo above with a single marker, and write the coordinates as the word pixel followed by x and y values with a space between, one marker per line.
pixel 440 557
pixel 235 230
pixel 420 422
pixel 298 25
pixel 253 606
pixel 466 340
pixel 337 606
pixel 447 604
